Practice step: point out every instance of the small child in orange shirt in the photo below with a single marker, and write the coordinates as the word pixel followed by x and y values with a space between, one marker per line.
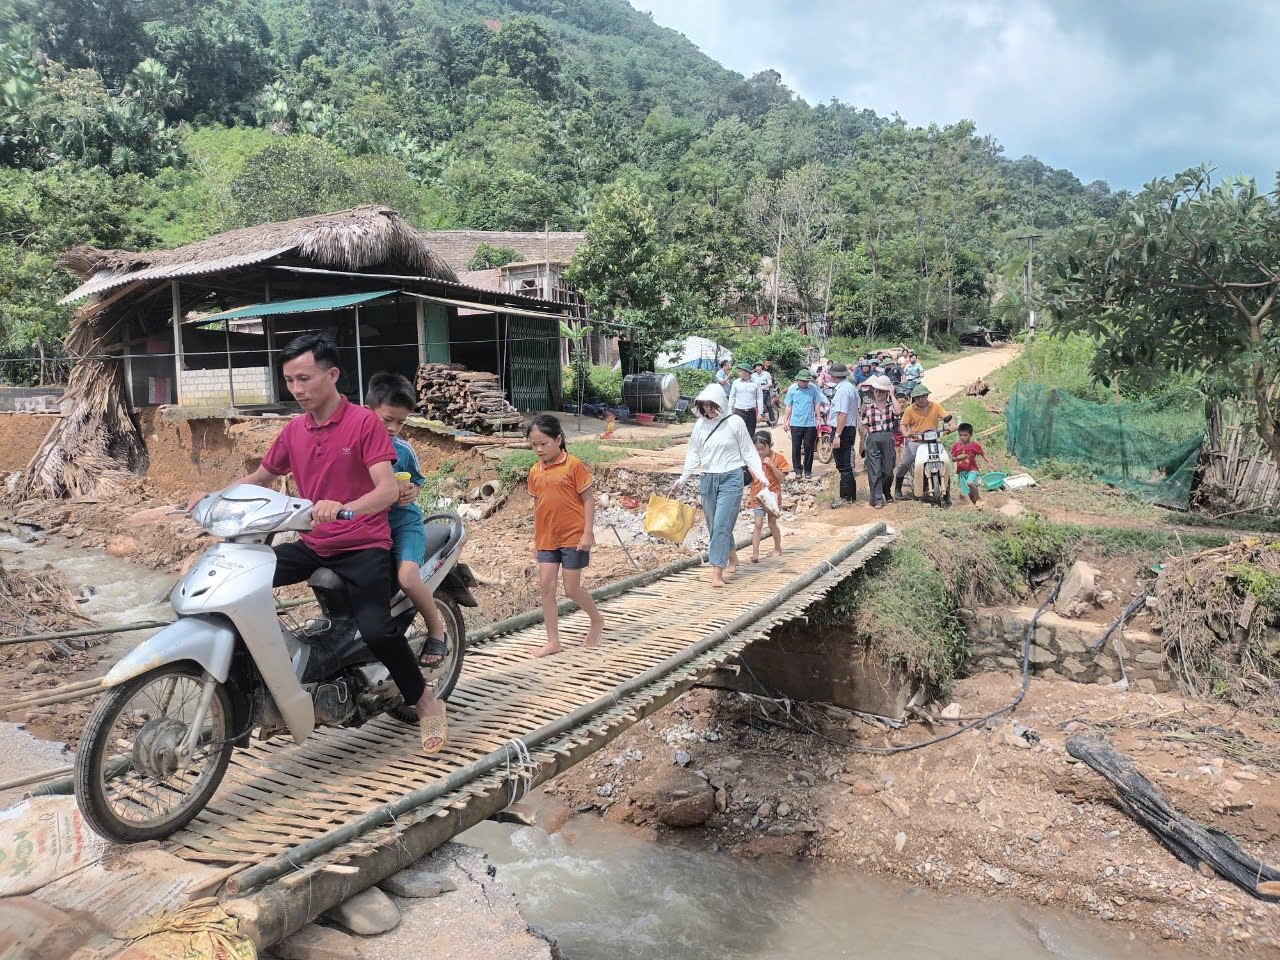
pixel 775 467
pixel 563 528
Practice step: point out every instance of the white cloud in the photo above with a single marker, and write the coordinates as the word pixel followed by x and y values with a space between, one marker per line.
pixel 1109 90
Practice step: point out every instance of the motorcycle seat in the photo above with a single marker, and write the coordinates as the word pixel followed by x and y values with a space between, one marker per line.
pixel 438 537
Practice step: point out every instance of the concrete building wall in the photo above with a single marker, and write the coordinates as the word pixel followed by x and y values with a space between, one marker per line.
pixel 209 388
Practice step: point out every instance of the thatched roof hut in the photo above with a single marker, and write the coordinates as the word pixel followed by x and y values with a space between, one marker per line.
pixel 142 297
pixel 363 238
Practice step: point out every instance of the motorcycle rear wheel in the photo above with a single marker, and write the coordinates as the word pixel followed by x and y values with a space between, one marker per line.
pixel 120 799
pixel 443 678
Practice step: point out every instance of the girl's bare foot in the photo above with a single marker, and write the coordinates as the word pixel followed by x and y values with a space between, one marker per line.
pixel 593 636
pixel 755 558
pixel 732 567
pixel 549 650
pixel 777 552
pixel 717 577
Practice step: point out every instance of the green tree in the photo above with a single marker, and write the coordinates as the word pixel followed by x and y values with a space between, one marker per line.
pixel 526 52
pixel 1184 279
pixel 630 275
pixel 487 257
pixel 294 178
pixel 42 214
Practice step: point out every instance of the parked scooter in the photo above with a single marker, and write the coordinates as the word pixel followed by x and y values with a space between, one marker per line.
pixel 931 472
pixel 158 743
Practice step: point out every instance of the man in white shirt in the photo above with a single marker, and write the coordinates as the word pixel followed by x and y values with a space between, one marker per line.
pixel 842 415
pixel 746 398
pixel 765 379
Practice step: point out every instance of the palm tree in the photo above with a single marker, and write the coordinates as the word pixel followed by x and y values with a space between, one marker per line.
pixel 153 89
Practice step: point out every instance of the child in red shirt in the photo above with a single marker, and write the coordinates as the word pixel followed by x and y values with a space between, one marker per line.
pixel 965 453
pixel 563 524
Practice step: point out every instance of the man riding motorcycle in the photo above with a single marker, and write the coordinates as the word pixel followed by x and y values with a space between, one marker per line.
pixel 920 415
pixel 340 456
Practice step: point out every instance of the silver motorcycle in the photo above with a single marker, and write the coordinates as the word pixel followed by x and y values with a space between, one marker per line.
pixel 158 743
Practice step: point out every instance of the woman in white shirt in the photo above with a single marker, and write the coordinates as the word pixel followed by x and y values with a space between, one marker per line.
pixel 720 446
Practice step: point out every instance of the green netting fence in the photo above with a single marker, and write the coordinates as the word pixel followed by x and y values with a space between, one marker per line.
pixel 1149 448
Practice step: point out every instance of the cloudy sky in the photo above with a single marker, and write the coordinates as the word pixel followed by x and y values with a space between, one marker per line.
pixel 1118 90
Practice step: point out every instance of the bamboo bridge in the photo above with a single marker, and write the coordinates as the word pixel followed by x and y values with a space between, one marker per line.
pixel 296 829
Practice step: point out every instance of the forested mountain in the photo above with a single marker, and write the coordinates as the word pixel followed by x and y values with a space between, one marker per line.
pixel 136 122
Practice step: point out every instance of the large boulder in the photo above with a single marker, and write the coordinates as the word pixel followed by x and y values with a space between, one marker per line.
pixel 368 913
pixel 1079 589
pixel 676 797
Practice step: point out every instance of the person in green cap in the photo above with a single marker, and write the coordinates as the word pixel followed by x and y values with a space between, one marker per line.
pixel 920 415
pixel 802 406
pixel 746 398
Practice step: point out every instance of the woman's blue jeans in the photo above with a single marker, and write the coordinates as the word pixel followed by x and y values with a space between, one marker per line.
pixel 721 501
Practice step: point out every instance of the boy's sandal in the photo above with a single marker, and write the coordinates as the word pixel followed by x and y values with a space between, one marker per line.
pixel 434 730
pixel 434 650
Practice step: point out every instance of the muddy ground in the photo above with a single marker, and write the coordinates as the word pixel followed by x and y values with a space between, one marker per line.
pixel 983 811
pixel 986 811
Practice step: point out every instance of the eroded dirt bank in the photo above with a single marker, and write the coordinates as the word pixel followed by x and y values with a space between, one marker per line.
pixel 987 811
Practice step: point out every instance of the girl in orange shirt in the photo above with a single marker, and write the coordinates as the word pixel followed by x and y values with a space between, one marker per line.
pixel 775 466
pixel 563 524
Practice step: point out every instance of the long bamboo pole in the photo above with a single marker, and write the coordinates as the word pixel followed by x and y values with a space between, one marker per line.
pixel 278 866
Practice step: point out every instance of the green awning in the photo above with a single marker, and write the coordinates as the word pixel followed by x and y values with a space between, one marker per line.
pixel 309 305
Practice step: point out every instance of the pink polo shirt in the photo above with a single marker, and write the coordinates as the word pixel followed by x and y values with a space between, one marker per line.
pixel 331 461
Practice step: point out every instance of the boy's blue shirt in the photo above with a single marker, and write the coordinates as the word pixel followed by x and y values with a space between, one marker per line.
pixel 406 462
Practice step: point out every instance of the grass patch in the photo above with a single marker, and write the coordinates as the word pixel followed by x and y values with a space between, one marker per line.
pixel 514 468
pixel 447 480
pixel 907 603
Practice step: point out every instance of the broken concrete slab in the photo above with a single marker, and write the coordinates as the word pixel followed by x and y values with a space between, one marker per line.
pixel 417 883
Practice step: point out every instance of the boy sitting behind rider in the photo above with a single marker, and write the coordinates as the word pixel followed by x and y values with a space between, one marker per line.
pixel 391 399
pixel 341 458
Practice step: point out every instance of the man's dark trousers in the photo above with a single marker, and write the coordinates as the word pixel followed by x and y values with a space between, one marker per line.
pixel 369 577
pixel 844 463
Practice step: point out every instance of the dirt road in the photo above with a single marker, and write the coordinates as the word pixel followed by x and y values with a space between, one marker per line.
pixel 948 379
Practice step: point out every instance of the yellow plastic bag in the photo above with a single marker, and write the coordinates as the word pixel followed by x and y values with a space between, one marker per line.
pixel 668 519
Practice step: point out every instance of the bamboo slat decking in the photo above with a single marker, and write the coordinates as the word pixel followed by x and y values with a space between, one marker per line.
pixel 277 794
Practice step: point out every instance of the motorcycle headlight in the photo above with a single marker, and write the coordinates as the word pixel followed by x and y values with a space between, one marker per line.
pixel 226 518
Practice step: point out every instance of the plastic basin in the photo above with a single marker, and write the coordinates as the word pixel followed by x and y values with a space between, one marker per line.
pixel 644 418
pixel 994 480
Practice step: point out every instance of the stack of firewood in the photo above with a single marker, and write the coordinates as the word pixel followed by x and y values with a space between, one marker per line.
pixel 471 400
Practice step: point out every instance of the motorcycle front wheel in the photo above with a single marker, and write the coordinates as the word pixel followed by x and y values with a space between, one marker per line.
pixel 127 783
pixel 824 451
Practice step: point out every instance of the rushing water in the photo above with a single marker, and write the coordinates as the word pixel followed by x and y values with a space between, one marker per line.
pixel 602 890
pixel 122 592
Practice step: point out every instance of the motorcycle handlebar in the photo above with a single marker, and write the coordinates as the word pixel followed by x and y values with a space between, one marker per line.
pixel 346 515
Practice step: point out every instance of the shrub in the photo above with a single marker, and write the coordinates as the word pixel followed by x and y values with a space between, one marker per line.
pixel 603 385
pixel 692 381
pixel 788 349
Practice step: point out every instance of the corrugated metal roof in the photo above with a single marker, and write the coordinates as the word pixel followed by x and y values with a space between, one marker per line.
pixel 306 305
pixel 109 281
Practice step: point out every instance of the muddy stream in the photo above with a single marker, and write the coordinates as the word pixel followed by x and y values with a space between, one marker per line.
pixel 600 889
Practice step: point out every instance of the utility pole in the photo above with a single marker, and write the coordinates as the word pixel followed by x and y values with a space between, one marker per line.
pixel 777 270
pixel 1028 271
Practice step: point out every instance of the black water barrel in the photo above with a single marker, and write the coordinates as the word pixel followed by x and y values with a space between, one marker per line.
pixel 650 392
